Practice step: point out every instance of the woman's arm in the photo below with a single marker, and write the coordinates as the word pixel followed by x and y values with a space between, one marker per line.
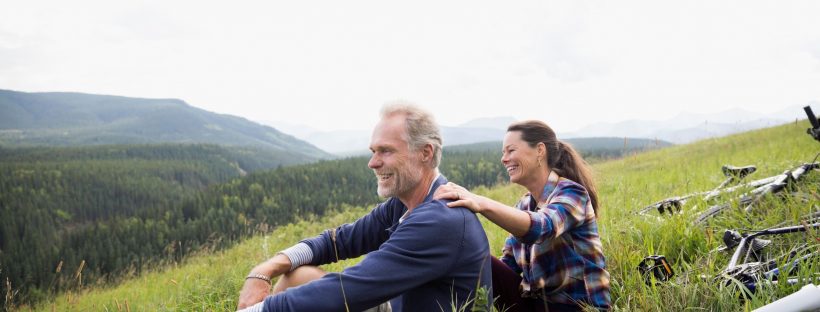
pixel 514 221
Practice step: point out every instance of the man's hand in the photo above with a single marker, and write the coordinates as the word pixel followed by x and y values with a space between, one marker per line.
pixel 255 290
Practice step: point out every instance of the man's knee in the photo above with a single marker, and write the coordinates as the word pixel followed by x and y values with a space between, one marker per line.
pixel 299 276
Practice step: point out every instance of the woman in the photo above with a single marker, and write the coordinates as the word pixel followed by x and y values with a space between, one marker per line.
pixel 553 258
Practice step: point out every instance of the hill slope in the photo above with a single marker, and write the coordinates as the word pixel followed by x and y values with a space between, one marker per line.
pixel 118 208
pixel 212 281
pixel 64 119
pixel 112 206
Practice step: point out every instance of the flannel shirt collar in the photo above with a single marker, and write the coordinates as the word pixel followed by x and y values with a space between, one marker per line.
pixel 549 188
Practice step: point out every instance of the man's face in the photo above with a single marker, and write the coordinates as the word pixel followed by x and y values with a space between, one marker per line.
pixel 397 168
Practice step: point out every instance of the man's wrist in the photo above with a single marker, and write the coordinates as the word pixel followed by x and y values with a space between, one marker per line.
pixel 260 276
pixel 298 255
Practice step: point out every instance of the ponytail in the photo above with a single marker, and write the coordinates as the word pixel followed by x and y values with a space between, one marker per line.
pixel 568 163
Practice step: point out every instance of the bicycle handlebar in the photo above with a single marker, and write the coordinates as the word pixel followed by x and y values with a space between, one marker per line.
pixel 814 131
pixel 812 118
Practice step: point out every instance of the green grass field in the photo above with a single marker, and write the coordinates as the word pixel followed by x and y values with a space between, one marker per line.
pixel 211 281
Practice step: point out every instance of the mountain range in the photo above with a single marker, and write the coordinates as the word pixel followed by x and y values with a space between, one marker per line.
pixel 689 127
pixel 66 119
pixel 70 119
pixel 356 142
pixel 681 129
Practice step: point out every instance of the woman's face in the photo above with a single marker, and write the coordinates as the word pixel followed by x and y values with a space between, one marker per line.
pixel 520 160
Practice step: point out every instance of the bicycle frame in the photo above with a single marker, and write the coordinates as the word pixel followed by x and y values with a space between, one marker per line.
pixel 775 184
pixel 759 186
pixel 678 201
pixel 754 273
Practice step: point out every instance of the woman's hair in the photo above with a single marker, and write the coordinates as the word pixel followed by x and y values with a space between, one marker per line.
pixel 561 157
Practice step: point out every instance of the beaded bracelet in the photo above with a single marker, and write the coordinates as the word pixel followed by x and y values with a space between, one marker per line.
pixel 259 276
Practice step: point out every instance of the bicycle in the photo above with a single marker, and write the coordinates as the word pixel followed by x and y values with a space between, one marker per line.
pixel 786 180
pixel 760 188
pixel 753 262
pixel 765 269
pixel 732 173
pixel 758 257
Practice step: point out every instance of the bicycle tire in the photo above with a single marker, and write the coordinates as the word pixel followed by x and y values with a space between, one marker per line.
pixel 711 212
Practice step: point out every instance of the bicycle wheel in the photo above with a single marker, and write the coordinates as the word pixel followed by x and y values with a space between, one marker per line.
pixel 711 212
pixel 745 201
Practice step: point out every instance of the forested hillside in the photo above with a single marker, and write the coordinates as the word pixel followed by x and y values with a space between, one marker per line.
pixel 115 209
pixel 71 119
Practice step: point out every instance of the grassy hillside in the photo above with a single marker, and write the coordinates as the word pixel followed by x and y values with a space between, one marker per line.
pixel 211 281
pixel 207 282
pixel 634 182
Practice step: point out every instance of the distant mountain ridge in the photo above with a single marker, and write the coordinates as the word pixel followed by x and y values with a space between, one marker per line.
pixel 477 131
pixel 356 142
pixel 681 129
pixel 69 119
pixel 689 127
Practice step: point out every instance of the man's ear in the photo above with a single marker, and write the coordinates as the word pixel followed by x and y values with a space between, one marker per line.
pixel 427 152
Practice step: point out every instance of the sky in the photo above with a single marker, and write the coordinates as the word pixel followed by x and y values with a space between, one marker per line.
pixel 331 65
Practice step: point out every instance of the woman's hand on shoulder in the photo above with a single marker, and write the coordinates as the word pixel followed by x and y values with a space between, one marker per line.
pixel 460 197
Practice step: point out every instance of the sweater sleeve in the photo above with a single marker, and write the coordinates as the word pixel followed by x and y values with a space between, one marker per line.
pixel 353 239
pixel 423 248
pixel 507 255
pixel 565 211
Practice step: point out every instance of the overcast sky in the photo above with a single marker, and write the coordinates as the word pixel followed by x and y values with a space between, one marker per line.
pixel 332 64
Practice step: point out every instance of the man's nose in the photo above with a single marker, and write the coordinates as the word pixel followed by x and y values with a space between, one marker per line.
pixel 374 162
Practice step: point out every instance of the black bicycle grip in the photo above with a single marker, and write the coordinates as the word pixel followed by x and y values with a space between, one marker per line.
pixel 812 118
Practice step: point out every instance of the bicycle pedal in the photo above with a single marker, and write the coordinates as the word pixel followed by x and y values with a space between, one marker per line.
pixel 655 266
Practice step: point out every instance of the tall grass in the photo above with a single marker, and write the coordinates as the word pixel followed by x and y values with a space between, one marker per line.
pixel 636 181
pixel 211 281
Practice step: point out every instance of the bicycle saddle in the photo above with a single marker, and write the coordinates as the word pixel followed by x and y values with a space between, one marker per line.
pixel 738 172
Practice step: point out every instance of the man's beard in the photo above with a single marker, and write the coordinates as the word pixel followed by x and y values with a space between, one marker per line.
pixel 404 178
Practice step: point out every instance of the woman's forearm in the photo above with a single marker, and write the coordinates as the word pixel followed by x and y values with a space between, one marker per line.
pixel 512 220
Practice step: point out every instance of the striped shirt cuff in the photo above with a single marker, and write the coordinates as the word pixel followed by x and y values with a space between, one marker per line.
pixel 299 255
pixel 259 307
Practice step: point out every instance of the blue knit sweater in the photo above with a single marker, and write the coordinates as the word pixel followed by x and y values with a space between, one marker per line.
pixel 430 261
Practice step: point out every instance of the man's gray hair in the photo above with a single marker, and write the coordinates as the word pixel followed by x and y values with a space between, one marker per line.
pixel 420 125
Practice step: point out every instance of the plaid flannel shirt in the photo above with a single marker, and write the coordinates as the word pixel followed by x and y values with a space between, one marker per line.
pixel 561 257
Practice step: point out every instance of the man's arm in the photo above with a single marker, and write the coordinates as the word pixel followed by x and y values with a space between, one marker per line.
pixel 354 239
pixel 422 249
pixel 255 290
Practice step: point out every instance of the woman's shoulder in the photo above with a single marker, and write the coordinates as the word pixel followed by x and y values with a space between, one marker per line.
pixel 571 193
pixel 569 186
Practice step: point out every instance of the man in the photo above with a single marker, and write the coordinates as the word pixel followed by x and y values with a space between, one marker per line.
pixel 420 253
